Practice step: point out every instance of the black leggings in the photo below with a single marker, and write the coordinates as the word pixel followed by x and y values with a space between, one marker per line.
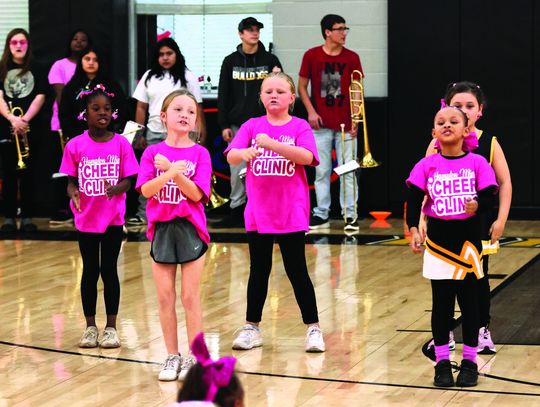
pixel 444 293
pixel 93 266
pixel 292 246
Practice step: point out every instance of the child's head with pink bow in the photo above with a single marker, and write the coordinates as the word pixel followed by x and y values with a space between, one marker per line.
pixel 452 130
pixel 212 381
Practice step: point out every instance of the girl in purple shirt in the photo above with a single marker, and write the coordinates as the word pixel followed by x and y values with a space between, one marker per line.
pixel 277 147
pixel 99 164
pixel 458 185
pixel 175 178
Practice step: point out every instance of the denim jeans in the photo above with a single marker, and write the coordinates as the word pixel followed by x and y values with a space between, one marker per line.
pixel 348 191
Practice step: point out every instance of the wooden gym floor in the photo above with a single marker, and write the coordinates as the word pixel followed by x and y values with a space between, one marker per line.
pixel 374 309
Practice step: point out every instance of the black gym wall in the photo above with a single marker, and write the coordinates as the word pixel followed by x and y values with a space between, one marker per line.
pixel 51 24
pixel 491 42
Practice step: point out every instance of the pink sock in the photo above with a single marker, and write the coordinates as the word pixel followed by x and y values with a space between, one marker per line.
pixel 442 353
pixel 469 353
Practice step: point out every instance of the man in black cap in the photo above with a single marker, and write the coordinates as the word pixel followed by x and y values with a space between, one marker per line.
pixel 242 73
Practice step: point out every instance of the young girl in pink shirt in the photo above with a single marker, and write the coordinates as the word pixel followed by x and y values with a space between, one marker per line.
pixel 277 147
pixel 99 164
pixel 458 185
pixel 175 177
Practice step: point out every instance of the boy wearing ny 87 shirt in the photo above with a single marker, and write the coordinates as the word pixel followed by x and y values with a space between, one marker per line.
pixel 328 67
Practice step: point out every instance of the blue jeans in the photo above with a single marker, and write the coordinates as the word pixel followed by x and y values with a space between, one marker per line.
pixel 348 191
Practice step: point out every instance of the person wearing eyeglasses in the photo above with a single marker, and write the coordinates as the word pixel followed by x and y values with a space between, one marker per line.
pixel 328 67
pixel 23 86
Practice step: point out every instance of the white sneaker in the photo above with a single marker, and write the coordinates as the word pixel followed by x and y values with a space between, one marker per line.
pixel 187 362
pixel 89 339
pixel 351 225
pixel 109 339
pixel 451 341
pixel 248 337
pixel 171 368
pixel 314 340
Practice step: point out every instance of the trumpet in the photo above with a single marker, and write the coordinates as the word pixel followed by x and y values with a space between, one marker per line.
pixel 358 115
pixel 63 139
pixel 21 139
pixel 215 200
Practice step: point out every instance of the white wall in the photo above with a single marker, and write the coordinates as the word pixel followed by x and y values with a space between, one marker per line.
pixel 297 28
pixel 13 14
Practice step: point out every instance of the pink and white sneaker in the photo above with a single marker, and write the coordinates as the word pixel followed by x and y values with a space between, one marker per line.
pixel 485 343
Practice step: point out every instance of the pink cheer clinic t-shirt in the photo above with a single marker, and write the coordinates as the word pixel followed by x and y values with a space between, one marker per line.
pixel 450 181
pixel 169 203
pixel 94 164
pixel 277 188
pixel 61 73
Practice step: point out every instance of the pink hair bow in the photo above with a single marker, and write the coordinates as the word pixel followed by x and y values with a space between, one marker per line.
pixel 216 373
pixel 470 142
pixel 443 104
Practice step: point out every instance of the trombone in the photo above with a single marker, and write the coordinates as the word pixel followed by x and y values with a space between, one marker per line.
pixel 21 140
pixel 358 115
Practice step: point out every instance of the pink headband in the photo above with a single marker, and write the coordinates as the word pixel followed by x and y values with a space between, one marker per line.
pixel 216 373
pixel 98 87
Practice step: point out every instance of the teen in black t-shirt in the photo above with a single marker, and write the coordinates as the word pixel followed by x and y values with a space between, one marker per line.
pixel 22 85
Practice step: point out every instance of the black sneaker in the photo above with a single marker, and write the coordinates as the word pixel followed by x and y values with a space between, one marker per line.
pixel 27 226
pixel 351 225
pixel 9 225
pixel 316 222
pixel 468 374
pixel 443 374
pixel 136 221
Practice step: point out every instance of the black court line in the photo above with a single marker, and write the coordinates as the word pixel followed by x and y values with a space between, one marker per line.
pixel 413 330
pixel 68 352
pixel 240 237
pixel 321 379
pixel 514 276
pixel 497 276
pixel 409 386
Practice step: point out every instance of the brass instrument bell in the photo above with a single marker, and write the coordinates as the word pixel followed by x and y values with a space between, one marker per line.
pixel 215 200
pixel 21 140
